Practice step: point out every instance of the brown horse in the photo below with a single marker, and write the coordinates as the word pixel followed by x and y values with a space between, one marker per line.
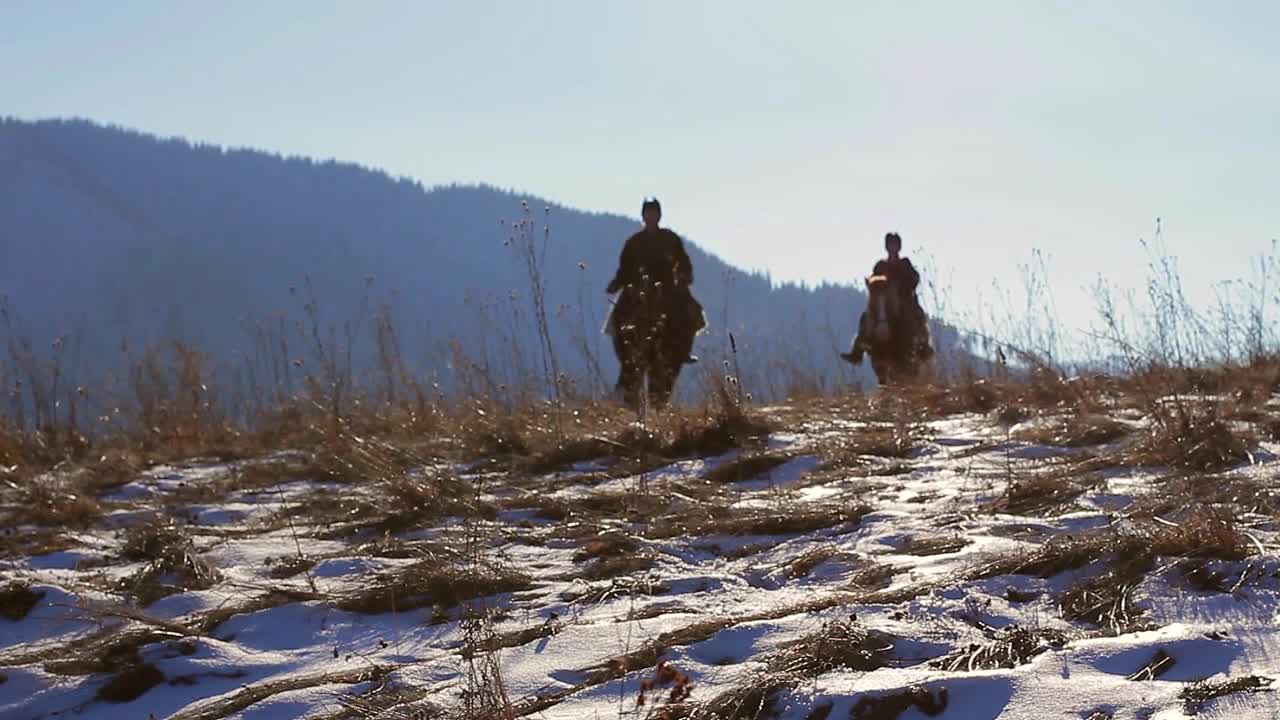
pixel 653 333
pixel 897 342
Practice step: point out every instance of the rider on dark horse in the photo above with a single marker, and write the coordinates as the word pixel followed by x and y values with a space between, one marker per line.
pixel 656 317
pixel 910 338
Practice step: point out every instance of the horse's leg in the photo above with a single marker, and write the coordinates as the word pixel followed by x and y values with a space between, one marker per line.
pixel 630 370
pixel 881 367
pixel 665 361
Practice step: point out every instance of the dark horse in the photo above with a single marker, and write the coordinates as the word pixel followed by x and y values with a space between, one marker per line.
pixel 653 329
pixel 888 331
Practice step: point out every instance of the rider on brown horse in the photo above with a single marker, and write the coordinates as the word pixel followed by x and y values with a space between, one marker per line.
pixel 656 317
pixel 910 337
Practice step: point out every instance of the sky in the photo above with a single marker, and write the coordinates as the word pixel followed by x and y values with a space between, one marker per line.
pixel 786 137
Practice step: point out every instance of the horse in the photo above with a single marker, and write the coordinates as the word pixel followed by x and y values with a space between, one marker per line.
pixel 653 333
pixel 884 333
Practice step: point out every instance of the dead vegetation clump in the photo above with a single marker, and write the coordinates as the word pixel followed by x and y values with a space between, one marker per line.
pixel 940 545
pixel 747 468
pixel 608 568
pixel 1007 648
pixel 173 564
pixel 1200 533
pixel 1031 492
pixel 290 566
pixel 852 450
pixel 795 520
pixel 1058 555
pixel 869 575
pixel 1243 493
pixel 837 645
pixel 612 554
pixel 1203 532
pixel 593 507
pixel 630 444
pixel 432 584
pixel 539 443
pixel 111 650
pixel 1040 389
pixel 1197 696
pixel 52 499
pixel 889 705
pixel 754 699
pixel 130 683
pixel 804 564
pixel 729 429
pixel 1207 575
pixel 1192 437
pixel 17 600
pixel 607 545
pixel 1074 431
pixel 1107 600
pixel 597 592
pixel 389 700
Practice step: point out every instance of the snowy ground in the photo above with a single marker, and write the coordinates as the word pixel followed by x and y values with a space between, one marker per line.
pixel 834 584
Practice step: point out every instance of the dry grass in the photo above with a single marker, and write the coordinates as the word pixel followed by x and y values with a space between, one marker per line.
pixel 607 568
pixel 1075 430
pixel 853 449
pixel 701 522
pixel 432 584
pixel 1200 533
pixel 638 586
pixel 727 430
pixel 941 545
pixel 837 645
pixel 752 700
pixel 1030 492
pixel 1197 696
pixel 53 499
pixel 173 565
pixel 1191 437
pixel 514 638
pixel 804 564
pixel 1008 649
pixel 869 575
pixel 608 545
pixel 747 468
pixel 111 650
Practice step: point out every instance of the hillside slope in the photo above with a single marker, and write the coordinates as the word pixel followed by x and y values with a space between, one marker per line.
pixel 110 234
pixel 870 558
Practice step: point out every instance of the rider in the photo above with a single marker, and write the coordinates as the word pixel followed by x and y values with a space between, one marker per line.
pixel 654 260
pixel 904 278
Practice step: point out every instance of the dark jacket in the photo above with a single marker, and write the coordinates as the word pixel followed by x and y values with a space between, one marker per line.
pixel 902 274
pixel 659 255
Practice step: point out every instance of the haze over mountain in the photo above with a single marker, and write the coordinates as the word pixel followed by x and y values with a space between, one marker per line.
pixel 111 235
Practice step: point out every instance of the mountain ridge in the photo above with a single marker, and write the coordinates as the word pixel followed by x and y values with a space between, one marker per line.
pixel 113 234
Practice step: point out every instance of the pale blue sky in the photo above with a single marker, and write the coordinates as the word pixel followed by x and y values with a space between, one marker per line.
pixel 782 136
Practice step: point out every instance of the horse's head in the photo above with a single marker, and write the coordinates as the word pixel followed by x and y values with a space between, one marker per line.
pixel 882 306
